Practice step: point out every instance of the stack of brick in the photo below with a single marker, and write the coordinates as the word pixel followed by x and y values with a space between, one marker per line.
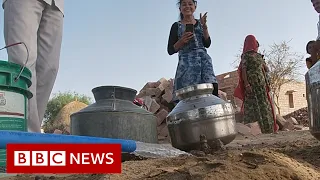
pixel 289 124
pixel 301 115
pixel 157 97
pixel 250 129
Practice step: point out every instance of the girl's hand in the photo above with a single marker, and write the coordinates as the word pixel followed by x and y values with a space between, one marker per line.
pixel 203 20
pixel 186 36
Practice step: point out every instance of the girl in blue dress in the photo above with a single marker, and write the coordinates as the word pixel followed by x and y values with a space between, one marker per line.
pixel 195 65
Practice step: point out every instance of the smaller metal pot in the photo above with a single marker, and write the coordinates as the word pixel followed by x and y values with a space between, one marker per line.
pixel 199 113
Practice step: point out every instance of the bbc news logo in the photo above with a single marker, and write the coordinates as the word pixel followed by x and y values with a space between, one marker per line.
pixel 40 158
pixel 64 158
pixel 58 158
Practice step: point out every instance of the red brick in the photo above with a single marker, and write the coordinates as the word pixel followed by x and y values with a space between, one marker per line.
pixel 288 126
pixel 165 103
pixel 147 100
pixel 159 128
pixel 298 127
pixel 164 81
pixel 293 121
pixel 171 82
pixel 164 140
pixel 160 92
pixel 67 130
pixel 150 85
pixel 161 87
pixel 243 129
pixel 154 106
pixel 170 87
pixel 158 100
pixel 280 121
pixel 161 138
pixel 167 95
pixel 164 84
pixel 164 107
pixel 57 131
pixel 141 94
pixel 222 95
pixel 152 91
pixel 164 131
pixel 255 128
pixel 161 116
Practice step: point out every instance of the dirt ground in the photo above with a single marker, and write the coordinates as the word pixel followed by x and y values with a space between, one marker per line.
pixel 291 155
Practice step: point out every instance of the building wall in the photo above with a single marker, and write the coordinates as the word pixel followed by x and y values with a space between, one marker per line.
pixel 229 81
pixel 298 91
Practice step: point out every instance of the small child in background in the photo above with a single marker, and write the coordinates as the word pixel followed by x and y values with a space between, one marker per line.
pixel 309 48
pixel 309 62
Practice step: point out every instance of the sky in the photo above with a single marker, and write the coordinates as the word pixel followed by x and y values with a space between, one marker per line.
pixel 124 42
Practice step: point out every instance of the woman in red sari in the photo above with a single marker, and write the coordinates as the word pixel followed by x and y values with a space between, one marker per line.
pixel 253 87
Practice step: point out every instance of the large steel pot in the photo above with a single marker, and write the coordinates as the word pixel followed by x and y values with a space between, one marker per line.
pixel 200 113
pixel 312 78
pixel 114 115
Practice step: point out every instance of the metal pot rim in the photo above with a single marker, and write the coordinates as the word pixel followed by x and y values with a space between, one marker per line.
pixel 197 89
pixel 115 87
pixel 194 113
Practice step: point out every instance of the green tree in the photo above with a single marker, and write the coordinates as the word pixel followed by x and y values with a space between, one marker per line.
pixel 57 102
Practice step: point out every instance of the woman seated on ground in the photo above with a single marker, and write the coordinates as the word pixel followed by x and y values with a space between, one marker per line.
pixel 253 87
pixel 195 65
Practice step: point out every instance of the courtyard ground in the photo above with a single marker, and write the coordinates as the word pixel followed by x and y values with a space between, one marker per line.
pixel 292 155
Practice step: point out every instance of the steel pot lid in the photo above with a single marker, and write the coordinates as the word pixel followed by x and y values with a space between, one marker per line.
pixel 194 90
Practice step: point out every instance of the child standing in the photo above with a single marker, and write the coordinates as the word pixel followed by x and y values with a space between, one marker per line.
pixel 195 65
pixel 309 48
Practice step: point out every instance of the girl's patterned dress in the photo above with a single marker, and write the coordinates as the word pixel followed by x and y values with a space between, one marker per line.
pixel 195 65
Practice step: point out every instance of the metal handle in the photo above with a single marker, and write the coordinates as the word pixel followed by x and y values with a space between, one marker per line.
pixel 23 67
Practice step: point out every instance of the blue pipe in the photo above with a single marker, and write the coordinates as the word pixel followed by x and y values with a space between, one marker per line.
pixel 9 137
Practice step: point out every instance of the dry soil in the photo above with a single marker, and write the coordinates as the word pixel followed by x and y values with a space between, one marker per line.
pixel 291 155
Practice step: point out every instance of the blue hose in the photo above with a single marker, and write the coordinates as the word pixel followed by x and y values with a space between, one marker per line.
pixel 9 137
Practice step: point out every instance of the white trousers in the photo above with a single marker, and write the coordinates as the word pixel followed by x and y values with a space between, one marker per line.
pixel 39 26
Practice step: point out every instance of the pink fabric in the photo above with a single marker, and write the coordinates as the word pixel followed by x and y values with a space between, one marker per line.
pixel 250 44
